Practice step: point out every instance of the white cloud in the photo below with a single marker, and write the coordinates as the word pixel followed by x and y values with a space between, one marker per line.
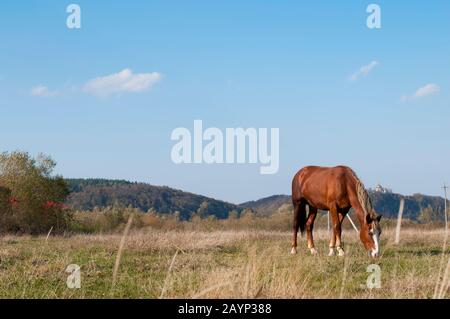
pixel 427 90
pixel 42 91
pixel 121 82
pixel 423 91
pixel 364 70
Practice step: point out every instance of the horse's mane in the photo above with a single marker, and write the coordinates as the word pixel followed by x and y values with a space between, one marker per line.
pixel 363 196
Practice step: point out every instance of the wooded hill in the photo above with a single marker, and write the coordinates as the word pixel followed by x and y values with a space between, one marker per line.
pixel 87 194
pixel 386 204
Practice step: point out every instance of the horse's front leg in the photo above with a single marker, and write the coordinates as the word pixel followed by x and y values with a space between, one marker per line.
pixel 335 241
pixel 339 248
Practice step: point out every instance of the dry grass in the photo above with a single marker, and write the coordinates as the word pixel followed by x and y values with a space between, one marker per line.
pixel 219 264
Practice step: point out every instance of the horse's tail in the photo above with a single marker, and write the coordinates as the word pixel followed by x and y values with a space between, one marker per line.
pixel 363 196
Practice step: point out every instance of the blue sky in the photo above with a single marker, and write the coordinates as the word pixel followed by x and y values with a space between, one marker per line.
pixel 284 64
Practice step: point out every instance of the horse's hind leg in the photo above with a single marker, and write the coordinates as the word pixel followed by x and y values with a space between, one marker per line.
pixel 296 224
pixel 309 229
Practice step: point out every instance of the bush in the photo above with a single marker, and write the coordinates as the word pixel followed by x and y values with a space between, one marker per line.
pixel 32 199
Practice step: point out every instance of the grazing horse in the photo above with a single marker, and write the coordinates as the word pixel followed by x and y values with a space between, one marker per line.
pixel 336 189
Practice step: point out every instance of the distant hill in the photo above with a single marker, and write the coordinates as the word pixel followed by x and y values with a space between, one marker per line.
pixel 386 204
pixel 268 205
pixel 86 194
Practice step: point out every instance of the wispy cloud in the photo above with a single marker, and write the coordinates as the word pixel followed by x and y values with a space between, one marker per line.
pixel 42 91
pixel 421 92
pixel 122 82
pixel 364 71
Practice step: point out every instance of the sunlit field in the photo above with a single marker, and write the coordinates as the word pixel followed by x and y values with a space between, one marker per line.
pixel 221 264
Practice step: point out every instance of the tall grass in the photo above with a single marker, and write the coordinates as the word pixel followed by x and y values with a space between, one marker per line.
pixel 113 220
pixel 219 264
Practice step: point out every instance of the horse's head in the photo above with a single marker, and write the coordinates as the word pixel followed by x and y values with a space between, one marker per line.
pixel 370 234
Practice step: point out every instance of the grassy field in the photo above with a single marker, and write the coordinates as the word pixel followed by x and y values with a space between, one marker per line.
pixel 220 264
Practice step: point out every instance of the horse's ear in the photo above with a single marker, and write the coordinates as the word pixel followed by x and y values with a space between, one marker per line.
pixel 378 218
pixel 368 219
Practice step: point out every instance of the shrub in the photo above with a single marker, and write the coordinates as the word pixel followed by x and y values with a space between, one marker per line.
pixel 36 197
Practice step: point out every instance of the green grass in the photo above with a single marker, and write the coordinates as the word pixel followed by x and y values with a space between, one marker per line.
pixel 219 264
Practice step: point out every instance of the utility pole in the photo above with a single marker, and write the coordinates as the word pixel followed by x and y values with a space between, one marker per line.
pixel 399 221
pixel 445 206
pixel 439 293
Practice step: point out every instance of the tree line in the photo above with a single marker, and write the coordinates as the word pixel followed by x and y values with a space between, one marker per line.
pixel 34 200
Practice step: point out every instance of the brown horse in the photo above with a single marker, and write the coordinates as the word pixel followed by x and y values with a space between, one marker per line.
pixel 336 189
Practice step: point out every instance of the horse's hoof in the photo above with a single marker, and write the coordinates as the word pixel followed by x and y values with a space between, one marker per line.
pixel 293 251
pixel 313 251
pixel 331 253
pixel 341 252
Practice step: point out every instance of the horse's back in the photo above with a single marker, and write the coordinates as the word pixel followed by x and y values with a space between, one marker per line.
pixel 312 171
pixel 321 183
